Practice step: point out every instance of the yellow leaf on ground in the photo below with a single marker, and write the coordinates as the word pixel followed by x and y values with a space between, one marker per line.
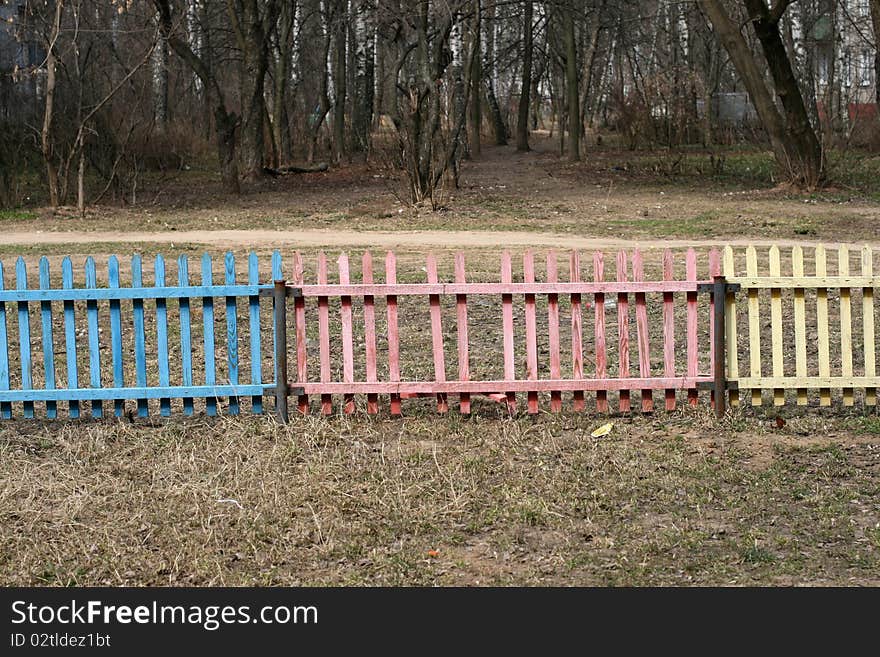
pixel 604 430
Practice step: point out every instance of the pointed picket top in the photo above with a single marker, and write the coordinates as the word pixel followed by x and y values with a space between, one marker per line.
pixel 277 274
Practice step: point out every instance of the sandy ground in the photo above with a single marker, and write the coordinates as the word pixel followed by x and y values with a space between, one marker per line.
pixel 377 239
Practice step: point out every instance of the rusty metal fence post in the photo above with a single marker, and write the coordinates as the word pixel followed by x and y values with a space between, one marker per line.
pixel 279 297
pixel 720 348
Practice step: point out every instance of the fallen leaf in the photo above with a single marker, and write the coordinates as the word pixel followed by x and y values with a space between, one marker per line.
pixel 433 553
pixel 604 430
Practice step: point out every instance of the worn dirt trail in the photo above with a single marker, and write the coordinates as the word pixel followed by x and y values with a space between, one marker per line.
pixel 375 239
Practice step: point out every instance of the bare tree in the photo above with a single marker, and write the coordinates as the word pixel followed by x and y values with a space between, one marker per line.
pixel 252 21
pixel 48 147
pixel 226 122
pixel 522 120
pixel 875 23
pixel 571 83
pixel 795 145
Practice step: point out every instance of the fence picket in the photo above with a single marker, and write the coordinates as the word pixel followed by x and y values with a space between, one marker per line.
pixel 299 311
pixel 347 333
pixel 277 275
pixel 642 332
pixel 822 325
pixel 846 356
pixel 553 330
pixel 776 326
pixel 800 323
pixel 754 324
pixel 231 332
pixel 393 335
pixel 669 330
pixel 623 331
pixel 324 334
pixel 693 357
pixel 208 323
pixel 531 332
pixel 140 351
pixel 254 331
pixel 437 335
pixel 464 371
pixel 48 347
pixel 507 327
pixel 5 407
pixel 162 336
pixel 24 335
pixel 370 332
pixel 577 342
pixel 116 336
pixel 730 319
pixel 599 333
pixel 868 325
pixel 94 338
pixel 185 333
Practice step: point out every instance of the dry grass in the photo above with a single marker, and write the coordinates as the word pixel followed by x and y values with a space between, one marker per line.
pixel 670 499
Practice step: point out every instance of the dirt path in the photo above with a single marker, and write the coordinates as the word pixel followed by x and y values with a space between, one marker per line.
pixel 375 239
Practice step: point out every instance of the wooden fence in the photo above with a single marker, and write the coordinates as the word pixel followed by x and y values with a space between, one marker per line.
pixel 812 342
pixel 520 374
pixel 78 310
pixel 585 334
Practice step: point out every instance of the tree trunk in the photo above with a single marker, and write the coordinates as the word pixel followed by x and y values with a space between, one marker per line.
pixel 225 123
pixel 160 83
pixel 802 145
pixel 226 126
pixel 491 65
pixel 363 106
pixel 589 65
pixel 522 118
pixel 339 79
pixel 794 145
pixel 248 24
pixel 476 113
pixel 460 98
pixel 571 84
pixel 875 22
pixel 284 58
pixel 46 141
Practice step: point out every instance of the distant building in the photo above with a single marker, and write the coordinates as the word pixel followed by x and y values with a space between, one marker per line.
pixel 834 47
pixel 21 57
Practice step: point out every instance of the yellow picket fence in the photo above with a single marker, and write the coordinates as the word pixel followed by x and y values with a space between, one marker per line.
pixel 820 331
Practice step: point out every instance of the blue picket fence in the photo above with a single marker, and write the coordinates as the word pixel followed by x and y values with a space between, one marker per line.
pixel 75 312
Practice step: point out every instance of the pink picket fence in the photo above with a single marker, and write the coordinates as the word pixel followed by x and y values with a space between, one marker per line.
pixel 609 320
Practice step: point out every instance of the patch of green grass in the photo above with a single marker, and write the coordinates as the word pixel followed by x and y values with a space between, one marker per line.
pixel 867 424
pixel 124 250
pixel 17 214
pixel 696 226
